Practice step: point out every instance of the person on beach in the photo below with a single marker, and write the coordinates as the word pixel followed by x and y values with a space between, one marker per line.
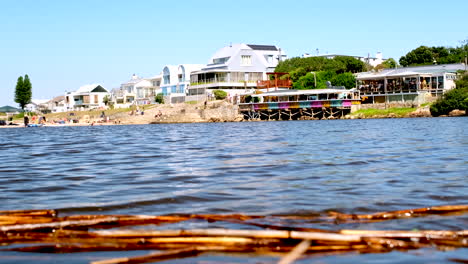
pixel 26 120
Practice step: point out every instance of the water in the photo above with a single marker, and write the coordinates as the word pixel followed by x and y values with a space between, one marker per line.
pixel 267 168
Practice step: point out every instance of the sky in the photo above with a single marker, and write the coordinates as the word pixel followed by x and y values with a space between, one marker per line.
pixel 63 45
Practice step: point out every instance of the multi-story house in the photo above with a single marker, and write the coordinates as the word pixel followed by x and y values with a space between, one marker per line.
pixel 176 80
pixel 236 68
pixel 86 97
pixel 137 91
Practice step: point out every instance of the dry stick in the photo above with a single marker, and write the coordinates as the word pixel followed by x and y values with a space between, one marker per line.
pixel 418 212
pixel 284 234
pixel 87 221
pixel 405 234
pixel 295 253
pixel 170 254
pixel 51 213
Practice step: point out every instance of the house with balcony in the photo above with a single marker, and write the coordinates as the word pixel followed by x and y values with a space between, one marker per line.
pixel 176 80
pixel 236 69
pixel 417 84
pixel 137 91
pixel 89 96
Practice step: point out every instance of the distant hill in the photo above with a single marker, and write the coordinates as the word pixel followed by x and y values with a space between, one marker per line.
pixel 9 109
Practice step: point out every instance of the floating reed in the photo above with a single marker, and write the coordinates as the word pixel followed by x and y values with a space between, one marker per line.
pixel 45 231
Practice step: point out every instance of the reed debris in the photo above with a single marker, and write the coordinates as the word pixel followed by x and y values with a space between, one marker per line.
pixel 44 231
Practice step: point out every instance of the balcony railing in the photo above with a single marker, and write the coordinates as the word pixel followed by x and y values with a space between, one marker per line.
pixel 274 83
pixel 221 80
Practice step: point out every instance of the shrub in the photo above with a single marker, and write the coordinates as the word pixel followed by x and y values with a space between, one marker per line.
pixel 454 99
pixel 159 98
pixel 219 94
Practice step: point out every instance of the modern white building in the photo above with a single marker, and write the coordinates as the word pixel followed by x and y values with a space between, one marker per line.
pixel 373 61
pixel 137 91
pixel 418 84
pixel 176 81
pixel 236 68
pixel 86 97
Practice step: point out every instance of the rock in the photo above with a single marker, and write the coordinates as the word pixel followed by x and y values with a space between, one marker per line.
pixel 421 112
pixel 457 112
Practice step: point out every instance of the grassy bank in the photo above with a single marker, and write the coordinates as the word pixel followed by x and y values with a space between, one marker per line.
pixel 394 111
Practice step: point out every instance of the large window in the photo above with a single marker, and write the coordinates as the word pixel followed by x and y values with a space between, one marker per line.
pixel 220 60
pixel 246 60
pixel 440 83
pixel 166 76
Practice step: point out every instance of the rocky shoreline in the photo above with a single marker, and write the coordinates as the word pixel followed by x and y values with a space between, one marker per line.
pixel 213 111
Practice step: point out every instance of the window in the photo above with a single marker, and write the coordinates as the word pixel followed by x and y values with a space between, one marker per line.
pixel 96 99
pixel 221 60
pixel 269 58
pixel 246 60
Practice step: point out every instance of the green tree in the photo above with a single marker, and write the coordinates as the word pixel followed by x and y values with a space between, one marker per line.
pixel 326 69
pixel 347 79
pixel 219 94
pixel 106 99
pixel 390 63
pixel 159 98
pixel 424 55
pixel 23 91
pixel 305 82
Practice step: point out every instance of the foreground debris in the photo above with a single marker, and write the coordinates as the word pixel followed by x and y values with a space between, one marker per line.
pixel 45 231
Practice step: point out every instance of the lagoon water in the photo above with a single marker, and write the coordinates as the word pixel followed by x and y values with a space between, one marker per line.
pixel 267 168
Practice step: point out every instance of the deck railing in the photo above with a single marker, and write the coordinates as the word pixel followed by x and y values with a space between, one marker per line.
pixel 345 103
pixel 274 83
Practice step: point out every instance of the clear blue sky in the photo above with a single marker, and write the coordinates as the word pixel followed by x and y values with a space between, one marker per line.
pixel 62 45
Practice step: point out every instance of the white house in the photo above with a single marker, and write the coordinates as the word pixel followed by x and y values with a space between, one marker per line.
pixel 57 104
pixel 373 61
pixel 176 80
pixel 86 97
pixel 137 91
pixel 236 68
pixel 37 105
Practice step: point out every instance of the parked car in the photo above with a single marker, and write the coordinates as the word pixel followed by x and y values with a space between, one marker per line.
pixel 3 123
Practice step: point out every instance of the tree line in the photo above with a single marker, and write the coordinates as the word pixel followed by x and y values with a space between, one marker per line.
pixel 424 55
pixel 314 72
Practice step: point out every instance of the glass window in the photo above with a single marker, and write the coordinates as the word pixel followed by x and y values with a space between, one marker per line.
pixel 440 82
pixel 220 60
pixel 246 60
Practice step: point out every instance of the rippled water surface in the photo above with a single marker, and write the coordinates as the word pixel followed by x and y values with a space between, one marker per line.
pixel 297 167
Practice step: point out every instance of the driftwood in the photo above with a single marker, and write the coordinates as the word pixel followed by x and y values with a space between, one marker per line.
pixel 45 231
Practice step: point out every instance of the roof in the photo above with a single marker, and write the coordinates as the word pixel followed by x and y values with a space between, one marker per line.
pixel 58 98
pixel 99 89
pixel 87 88
pixel 38 101
pixel 263 47
pixel 408 71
